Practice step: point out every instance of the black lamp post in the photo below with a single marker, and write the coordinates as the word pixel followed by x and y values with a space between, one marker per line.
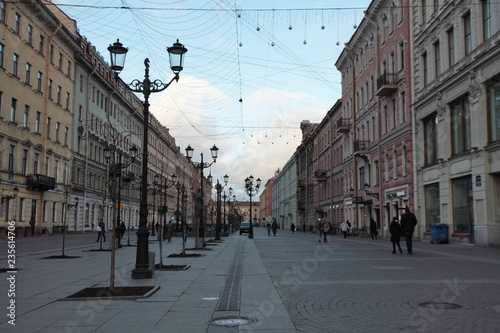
pixel 201 165
pixel 116 171
pixel 146 87
pixel 219 189
pixel 251 191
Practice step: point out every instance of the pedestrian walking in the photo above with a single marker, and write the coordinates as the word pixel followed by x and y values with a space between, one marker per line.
pixel 293 228
pixel 373 229
pixel 344 227
pixel 319 229
pixel 349 227
pixel 326 229
pixel 268 225
pixel 169 232
pixel 275 227
pixel 122 229
pixel 101 232
pixel 395 230
pixel 408 223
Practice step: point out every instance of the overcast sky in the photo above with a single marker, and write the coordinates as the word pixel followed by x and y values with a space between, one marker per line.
pixel 253 71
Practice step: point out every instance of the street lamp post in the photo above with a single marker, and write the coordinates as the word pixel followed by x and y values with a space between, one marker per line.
pixel 146 87
pixel 251 191
pixel 116 171
pixel 201 165
pixel 219 189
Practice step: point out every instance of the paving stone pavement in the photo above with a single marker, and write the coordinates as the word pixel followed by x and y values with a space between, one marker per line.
pixel 288 283
pixel 358 285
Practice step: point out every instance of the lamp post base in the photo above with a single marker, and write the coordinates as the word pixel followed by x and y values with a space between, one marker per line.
pixel 142 270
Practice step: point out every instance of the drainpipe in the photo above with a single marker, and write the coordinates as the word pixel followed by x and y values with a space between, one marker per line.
pixel 45 115
pixel 379 125
pixel 355 165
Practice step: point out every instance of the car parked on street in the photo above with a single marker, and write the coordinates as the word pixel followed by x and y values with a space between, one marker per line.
pixel 244 227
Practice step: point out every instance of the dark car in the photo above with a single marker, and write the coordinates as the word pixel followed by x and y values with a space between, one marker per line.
pixel 244 227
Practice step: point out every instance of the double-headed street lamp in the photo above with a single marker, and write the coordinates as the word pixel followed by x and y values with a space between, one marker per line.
pixel 146 87
pixel 201 165
pixel 219 187
pixel 251 191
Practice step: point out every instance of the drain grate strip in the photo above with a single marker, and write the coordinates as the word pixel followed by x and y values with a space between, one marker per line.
pixel 229 298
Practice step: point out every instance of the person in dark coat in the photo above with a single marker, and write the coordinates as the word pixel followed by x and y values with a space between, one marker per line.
pixel 373 228
pixel 101 232
pixel 395 230
pixel 408 223
pixel 275 227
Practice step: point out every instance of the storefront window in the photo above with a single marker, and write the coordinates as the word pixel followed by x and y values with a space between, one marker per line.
pixel 463 214
pixel 432 203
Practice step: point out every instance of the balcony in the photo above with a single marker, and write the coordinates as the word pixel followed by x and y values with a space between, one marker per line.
pixel 40 183
pixel 343 125
pixel 387 84
pixel 320 175
pixel 361 147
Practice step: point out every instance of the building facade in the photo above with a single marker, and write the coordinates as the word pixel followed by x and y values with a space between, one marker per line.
pixel 456 63
pixel 36 108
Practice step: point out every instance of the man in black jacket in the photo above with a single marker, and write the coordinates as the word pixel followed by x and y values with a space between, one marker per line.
pixel 408 223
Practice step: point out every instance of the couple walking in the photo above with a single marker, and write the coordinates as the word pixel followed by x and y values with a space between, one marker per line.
pixel 323 228
pixel 406 228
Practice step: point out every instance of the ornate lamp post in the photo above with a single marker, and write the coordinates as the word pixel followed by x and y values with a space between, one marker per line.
pixel 146 87
pixel 251 191
pixel 116 167
pixel 219 189
pixel 201 165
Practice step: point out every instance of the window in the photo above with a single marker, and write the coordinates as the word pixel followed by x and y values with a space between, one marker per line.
pixel 375 176
pixel 467 34
pixel 40 44
pixel 362 180
pixel 67 100
pixel 58 131
pixel 56 170
pixel 60 61
pixel 424 12
pixel 39 82
pixel 494 111
pixel 48 127
pixel 37 122
pixel 24 162
pixel 28 73
pixel 15 65
pixel 47 166
pixel 10 162
pixel 451 47
pixel 402 55
pixel 460 126
pixel 1 54
pixel 425 69
pixel 30 34
pixel 36 162
pixel 2 11
pixel 487 19
pixel 69 69
pixel 50 88
pixel 394 110
pixel 386 119
pixel 26 116
pixel 430 140
pixel 463 212
pixel 51 55
pixel 432 204
pixel 403 107
pixel 81 83
pixel 66 135
pixel 59 92
pixel 17 23
pixel 13 106
pixel 437 60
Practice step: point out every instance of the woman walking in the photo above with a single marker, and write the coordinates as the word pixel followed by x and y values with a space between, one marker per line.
pixel 395 230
